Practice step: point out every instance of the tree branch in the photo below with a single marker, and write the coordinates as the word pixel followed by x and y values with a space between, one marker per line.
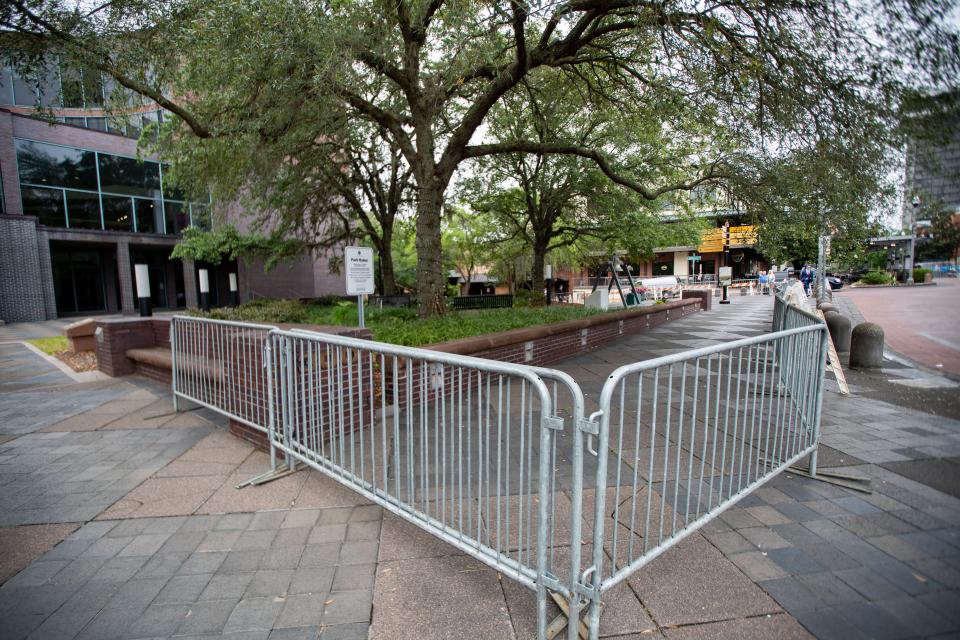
pixel 523 146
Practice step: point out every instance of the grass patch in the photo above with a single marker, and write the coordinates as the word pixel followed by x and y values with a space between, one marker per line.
pixel 401 325
pixel 50 346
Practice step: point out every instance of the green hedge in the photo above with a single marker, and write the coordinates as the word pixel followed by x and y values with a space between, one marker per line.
pixel 920 274
pixel 876 277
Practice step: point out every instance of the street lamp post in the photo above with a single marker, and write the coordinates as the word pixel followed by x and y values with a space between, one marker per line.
pixel 913 228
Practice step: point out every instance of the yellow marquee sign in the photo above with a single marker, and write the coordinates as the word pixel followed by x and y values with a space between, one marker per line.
pixel 713 240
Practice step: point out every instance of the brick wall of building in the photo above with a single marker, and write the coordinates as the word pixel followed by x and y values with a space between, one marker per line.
pixel 22 277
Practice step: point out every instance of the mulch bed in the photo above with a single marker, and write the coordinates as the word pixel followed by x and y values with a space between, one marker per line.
pixel 82 361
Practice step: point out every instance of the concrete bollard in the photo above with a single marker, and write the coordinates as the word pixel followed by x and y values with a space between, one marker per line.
pixel 866 346
pixel 840 330
pixel 826 306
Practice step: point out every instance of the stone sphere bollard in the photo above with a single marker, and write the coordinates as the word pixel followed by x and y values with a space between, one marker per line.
pixel 826 306
pixel 839 326
pixel 866 346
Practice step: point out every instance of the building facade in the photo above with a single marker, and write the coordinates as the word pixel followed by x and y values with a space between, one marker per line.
pixel 78 209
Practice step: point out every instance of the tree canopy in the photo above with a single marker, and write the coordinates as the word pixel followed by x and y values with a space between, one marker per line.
pixel 745 85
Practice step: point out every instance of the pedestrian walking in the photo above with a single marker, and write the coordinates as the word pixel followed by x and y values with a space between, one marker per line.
pixel 806 277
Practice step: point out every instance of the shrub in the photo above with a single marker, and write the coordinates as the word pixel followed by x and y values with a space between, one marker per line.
pixel 261 310
pixel 920 274
pixel 875 277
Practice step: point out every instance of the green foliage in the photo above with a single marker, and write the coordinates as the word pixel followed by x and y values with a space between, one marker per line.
pixel 261 310
pixel 398 325
pixel 920 274
pixel 944 238
pixel 224 241
pixel 793 106
pixel 876 277
pixel 877 260
pixel 50 346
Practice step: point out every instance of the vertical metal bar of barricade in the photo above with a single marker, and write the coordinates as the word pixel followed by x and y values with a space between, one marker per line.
pixel 268 362
pixel 600 492
pixel 821 378
pixel 546 503
pixel 173 363
pixel 286 393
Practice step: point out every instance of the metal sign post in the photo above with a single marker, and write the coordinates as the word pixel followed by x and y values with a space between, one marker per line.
pixel 359 273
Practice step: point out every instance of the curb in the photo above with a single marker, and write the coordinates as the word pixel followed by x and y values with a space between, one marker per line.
pixel 76 376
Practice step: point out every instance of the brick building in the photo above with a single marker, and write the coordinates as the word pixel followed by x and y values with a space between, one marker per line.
pixel 78 209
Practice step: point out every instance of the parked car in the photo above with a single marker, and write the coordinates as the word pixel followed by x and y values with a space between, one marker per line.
pixel 834 281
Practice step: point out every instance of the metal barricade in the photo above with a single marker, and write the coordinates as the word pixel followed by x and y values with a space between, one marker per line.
pixel 220 365
pixel 486 454
pixel 461 447
pixel 690 434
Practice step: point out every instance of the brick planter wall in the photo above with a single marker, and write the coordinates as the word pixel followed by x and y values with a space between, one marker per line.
pixel 539 345
pixel 545 344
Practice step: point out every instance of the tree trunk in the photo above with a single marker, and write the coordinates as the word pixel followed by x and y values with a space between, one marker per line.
pixel 431 281
pixel 539 257
pixel 388 279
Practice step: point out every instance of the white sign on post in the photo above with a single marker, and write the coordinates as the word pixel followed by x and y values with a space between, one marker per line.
pixel 359 270
pixel 359 266
pixel 726 275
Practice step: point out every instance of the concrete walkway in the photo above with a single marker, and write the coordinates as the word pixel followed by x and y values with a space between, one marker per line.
pixel 121 520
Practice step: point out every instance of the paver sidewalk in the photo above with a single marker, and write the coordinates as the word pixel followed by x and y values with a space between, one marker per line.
pixel 157 542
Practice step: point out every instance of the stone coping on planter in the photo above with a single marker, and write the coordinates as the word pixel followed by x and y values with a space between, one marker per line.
pixel 487 341
pixel 857 285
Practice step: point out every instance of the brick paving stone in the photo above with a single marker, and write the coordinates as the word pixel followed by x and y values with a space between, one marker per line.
pixel 343 607
pixel 300 518
pixel 320 555
pixel 249 560
pixel 252 614
pixel 159 620
pixel 350 631
pixel 269 582
pixel 183 589
pixel 828 624
pixel 207 617
pixel 795 561
pixel 315 580
pixel 354 577
pixel 203 562
pixel 296 633
pixel 229 586
pixel 829 589
pixel 304 610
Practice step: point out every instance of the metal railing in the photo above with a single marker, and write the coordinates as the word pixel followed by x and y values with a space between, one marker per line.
pixel 500 460
pixel 219 364
pixel 688 435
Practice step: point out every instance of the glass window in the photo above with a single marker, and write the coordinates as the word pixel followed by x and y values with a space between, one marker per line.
pixel 92 88
pixel 6 85
pixel 48 164
pixel 117 213
pixel 49 85
pixel 46 204
pixel 200 216
pixel 25 90
pixel 83 210
pixel 72 86
pixel 115 125
pixel 129 176
pixel 149 216
pixel 133 126
pixel 77 122
pixel 100 124
pixel 177 216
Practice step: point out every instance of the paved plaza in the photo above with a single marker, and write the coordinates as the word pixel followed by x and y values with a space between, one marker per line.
pixel 121 519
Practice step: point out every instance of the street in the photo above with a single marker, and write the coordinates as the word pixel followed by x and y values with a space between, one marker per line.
pixel 918 322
